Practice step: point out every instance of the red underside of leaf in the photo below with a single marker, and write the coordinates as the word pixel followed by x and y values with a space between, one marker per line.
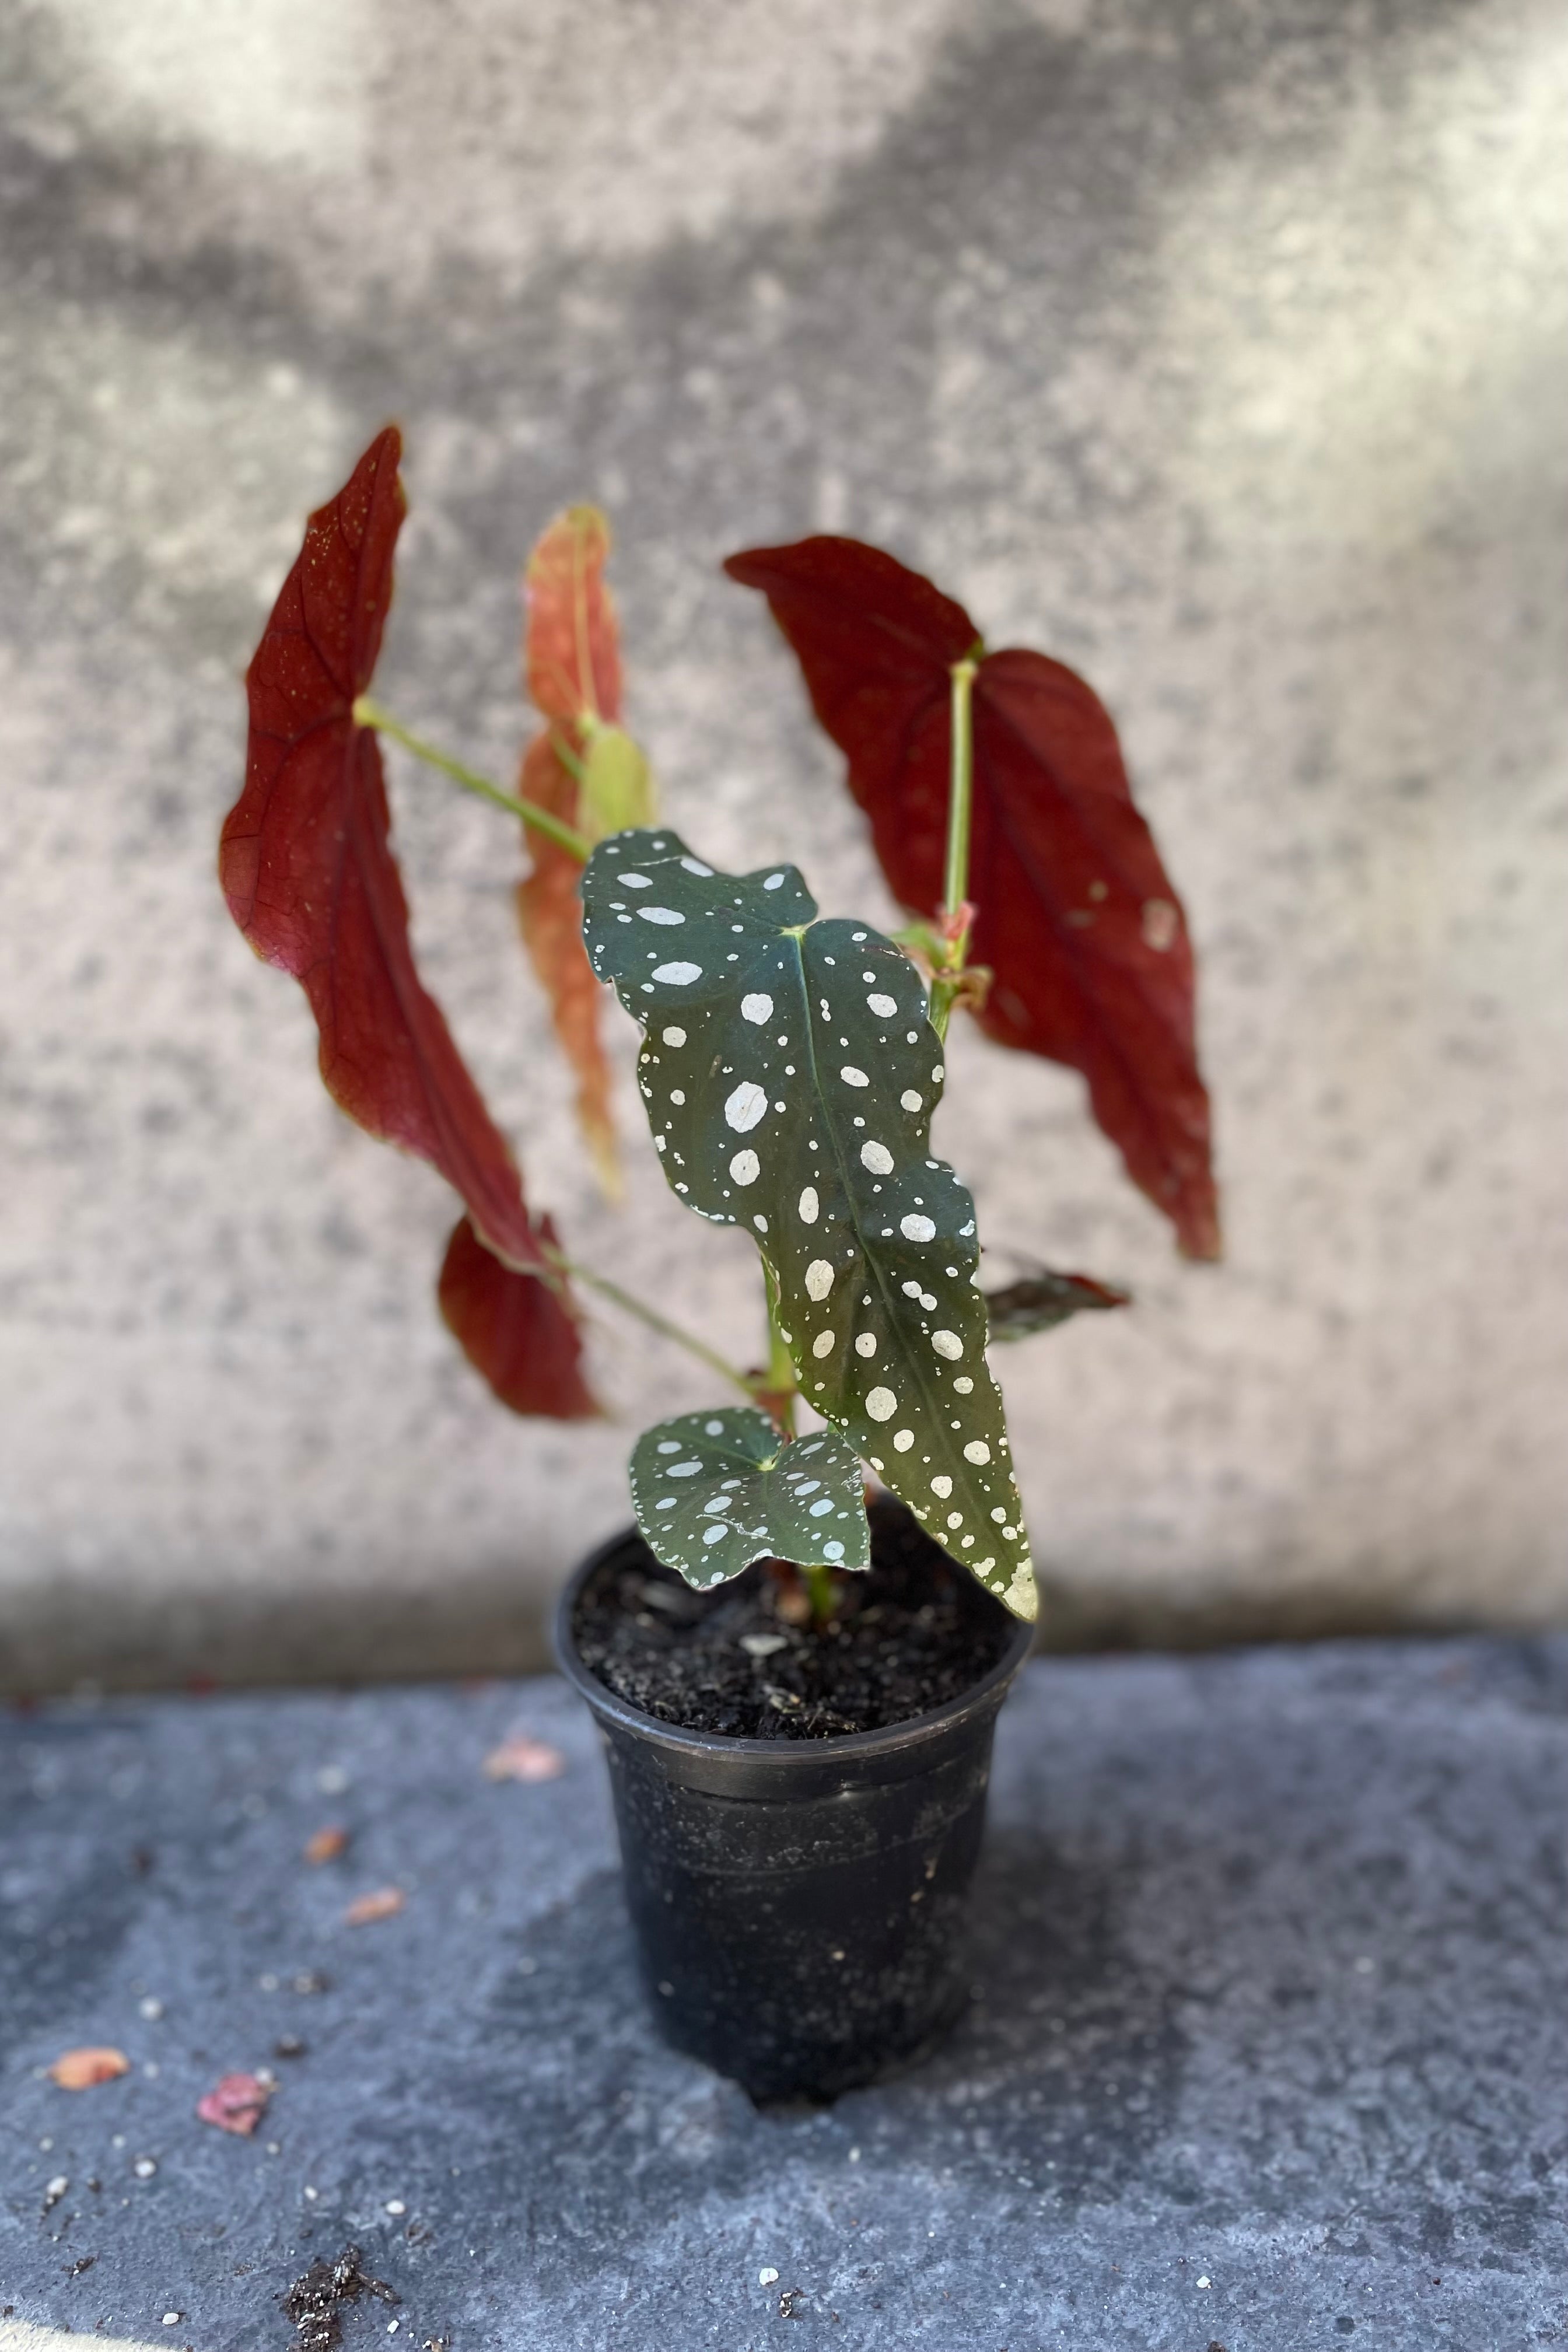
pixel 509 1326
pixel 306 866
pixel 1077 918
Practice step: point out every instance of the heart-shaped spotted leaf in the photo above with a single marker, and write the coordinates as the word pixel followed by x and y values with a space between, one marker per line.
pixel 790 1074
pixel 714 1491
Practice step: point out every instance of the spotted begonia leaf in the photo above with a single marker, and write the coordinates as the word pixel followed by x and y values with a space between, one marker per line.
pixel 790 1075
pixel 714 1491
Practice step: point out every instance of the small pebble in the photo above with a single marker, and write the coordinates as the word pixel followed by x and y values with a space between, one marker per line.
pixel 1202 2282
pixel 396 2205
pixel 173 2318
pixel 854 2156
pixel 268 1984
pixel 332 1779
pixel 767 2276
pixel 312 2194
pixel 762 1645
pixel 151 2010
pixel 144 2168
pixel 150 2070
pixel 46 2144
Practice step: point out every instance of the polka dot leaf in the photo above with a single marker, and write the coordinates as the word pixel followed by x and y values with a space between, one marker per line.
pixel 714 1491
pixel 790 1075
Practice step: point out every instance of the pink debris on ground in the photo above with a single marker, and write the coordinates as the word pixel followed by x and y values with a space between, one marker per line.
pixel 522 1758
pixel 237 2105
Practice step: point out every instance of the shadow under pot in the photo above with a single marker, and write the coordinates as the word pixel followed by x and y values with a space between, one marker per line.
pixel 799 1902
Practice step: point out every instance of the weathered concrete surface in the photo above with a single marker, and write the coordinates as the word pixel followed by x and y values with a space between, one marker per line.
pixel 1269 2047
pixel 1222 351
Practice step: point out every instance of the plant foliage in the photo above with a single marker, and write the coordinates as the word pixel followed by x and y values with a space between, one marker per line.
pixel 790 1075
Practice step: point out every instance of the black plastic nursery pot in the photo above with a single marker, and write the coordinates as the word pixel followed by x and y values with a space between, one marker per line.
pixel 799 1905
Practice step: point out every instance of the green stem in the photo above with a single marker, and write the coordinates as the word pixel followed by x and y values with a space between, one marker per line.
pixel 780 1366
pixel 822 1592
pixel 630 1304
pixel 370 714
pixel 955 876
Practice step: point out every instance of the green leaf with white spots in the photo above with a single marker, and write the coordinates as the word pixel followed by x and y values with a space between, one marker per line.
pixel 790 1074
pixel 714 1491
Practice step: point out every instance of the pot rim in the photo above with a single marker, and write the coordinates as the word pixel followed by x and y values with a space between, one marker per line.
pixel 785 1754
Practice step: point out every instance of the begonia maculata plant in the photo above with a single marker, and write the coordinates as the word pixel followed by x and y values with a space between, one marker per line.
pixel 791 1065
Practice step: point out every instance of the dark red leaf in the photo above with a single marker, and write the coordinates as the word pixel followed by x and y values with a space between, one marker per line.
pixel 1077 918
pixel 513 1330
pixel 306 866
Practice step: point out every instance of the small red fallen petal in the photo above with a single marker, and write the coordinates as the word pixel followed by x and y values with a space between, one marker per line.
pixel 79 2069
pixel 237 2105
pixel 326 1845
pixel 521 1757
pixel 384 1903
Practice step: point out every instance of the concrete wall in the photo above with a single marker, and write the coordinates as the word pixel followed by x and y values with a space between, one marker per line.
pixel 1221 351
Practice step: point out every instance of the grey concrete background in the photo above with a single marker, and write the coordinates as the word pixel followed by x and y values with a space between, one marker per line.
pixel 1220 351
pixel 1267 2048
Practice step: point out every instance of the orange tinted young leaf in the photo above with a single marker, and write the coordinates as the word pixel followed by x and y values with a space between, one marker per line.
pixel 584 770
pixel 1077 918
pixel 508 1325
pixel 571 649
pixel 80 2070
pixel 550 916
pixel 306 866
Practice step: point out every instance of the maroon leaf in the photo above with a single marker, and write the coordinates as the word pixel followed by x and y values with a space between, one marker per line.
pixel 307 867
pixel 509 1326
pixel 1077 918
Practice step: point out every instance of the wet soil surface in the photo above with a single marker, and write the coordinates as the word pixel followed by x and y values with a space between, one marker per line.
pixel 914 1632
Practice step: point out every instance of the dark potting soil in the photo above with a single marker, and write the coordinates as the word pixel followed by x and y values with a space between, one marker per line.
pixel 913 1632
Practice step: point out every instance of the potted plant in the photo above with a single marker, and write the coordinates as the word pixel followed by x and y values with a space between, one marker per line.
pixel 796 1676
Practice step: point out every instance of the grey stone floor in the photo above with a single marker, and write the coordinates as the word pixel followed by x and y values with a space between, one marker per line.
pixel 1270 2046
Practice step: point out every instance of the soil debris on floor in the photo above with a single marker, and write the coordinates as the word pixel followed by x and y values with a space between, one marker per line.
pixel 911 1634
pixel 314 2305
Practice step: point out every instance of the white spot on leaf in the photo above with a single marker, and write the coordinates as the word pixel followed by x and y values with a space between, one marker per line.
pixel 866 1344
pixel 902 1440
pixel 660 915
pixel 808 1205
pixel 884 1007
pixel 636 881
pixel 977 1451
pixel 757 1008
pixel 677 975
pixel 745 1167
pixel 917 1228
pixel 948 1344
pixel 818 1278
pixel 773 882
pixel 673 1036
pixel 882 1404
pixel 743 1109
pixel 852 1077
pixel 878 1160
pixel 695 866
pixel 823 1344
pixel 943 1487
